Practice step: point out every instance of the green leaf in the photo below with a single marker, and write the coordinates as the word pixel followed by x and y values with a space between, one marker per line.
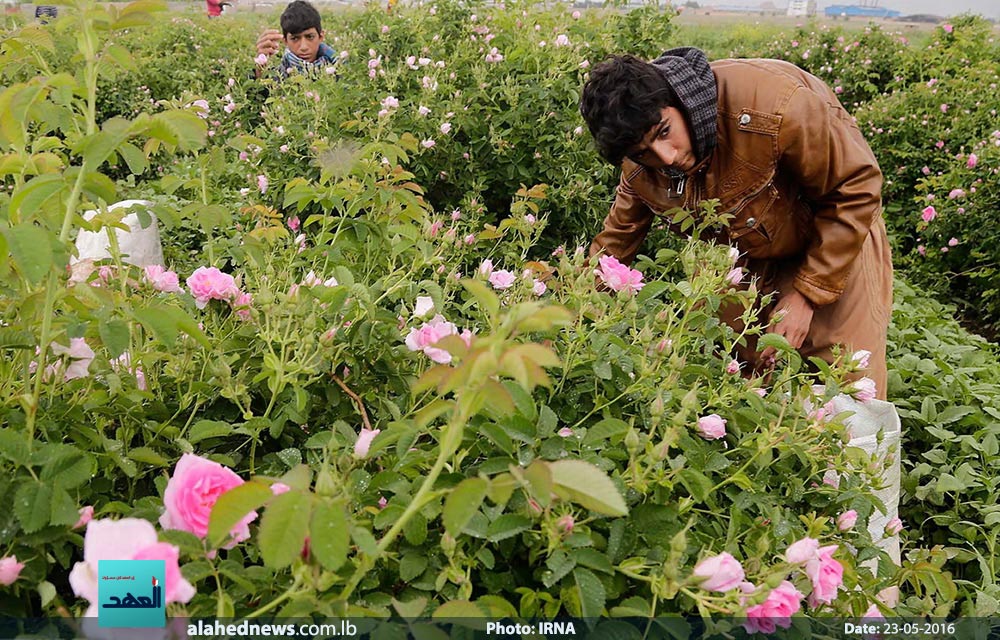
pixel 650 290
pixel 412 566
pixel 115 335
pixel 63 509
pixel 588 486
pixel 32 505
pixel 205 429
pixel 149 456
pixel 234 505
pixel 462 503
pixel 14 446
pixel 29 198
pixel 329 537
pixel 488 301
pixel 697 484
pixel 605 430
pixel 122 56
pixel 70 469
pixel 46 592
pixel 284 528
pixel 166 322
pixel 592 593
pixel 507 526
pixel 539 478
pixel 30 249
pixel 134 158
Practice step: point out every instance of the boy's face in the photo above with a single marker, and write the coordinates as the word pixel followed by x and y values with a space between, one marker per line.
pixel 667 144
pixel 305 44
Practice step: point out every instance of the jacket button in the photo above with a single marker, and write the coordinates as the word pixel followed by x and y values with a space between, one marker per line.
pixel 745 119
pixel 751 223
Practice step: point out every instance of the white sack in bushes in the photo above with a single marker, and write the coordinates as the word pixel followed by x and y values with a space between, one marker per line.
pixel 869 418
pixel 139 246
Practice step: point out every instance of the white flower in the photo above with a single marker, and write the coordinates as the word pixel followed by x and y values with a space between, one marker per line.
pixel 424 306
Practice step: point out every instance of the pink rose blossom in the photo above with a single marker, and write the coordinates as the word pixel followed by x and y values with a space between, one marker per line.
pixel 79 355
pixel 953 242
pixel 10 569
pixel 830 477
pixel 86 515
pixel 921 249
pixel 873 613
pixel 712 427
pixel 470 239
pixel 733 366
pixel 802 551
pixel 294 223
pixel 894 526
pixel 617 276
pixel 278 488
pixel 208 283
pixel 423 306
pixel 261 59
pixel 947 28
pixel 566 523
pixel 192 491
pixel 124 361
pixel 929 213
pixel 565 432
pixel 364 442
pixel 722 573
pixel 826 575
pixel 126 539
pixel 846 520
pixel 241 304
pixel 861 358
pixel 972 162
pixel 262 183
pixel 502 279
pixel 425 337
pixel 382 502
pixel 539 287
pixel 486 267
pixel 926 170
pixel 956 193
pixel 863 390
pixel 944 108
pixel 776 611
pixel 162 279
pixel 427 144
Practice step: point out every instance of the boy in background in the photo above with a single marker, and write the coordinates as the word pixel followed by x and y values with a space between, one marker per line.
pixel 302 33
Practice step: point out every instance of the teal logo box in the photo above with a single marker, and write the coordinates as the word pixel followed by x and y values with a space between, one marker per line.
pixel 130 593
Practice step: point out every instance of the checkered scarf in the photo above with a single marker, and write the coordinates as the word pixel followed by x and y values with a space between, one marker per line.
pixel 325 57
pixel 686 70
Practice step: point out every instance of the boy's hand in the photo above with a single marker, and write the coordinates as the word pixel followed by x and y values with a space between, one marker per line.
pixel 269 42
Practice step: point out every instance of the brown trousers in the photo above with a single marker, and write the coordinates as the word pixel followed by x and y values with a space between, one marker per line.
pixel 859 319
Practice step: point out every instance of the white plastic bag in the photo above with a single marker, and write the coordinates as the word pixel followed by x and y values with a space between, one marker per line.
pixel 139 246
pixel 869 418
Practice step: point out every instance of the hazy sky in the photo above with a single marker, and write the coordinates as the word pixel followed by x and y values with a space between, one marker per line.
pixel 989 8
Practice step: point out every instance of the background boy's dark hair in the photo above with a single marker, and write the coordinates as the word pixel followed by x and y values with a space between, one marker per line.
pixel 299 16
pixel 621 101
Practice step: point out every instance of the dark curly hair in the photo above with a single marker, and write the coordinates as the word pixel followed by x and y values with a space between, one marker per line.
pixel 299 16
pixel 621 101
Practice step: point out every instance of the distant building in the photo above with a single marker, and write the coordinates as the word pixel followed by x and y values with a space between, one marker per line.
pixel 801 8
pixel 856 11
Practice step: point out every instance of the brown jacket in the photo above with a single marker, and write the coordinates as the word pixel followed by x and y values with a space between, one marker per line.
pixel 791 166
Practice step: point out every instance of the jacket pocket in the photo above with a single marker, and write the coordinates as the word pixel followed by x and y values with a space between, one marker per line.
pixel 755 223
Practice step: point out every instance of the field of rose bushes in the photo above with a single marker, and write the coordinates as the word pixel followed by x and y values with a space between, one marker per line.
pixel 375 376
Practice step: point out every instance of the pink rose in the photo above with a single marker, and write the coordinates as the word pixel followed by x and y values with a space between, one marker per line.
pixel 802 551
pixel 566 523
pixel 929 213
pixel 10 569
pixel 126 539
pixel 826 575
pixel 278 488
pixel 830 477
pixel 502 279
pixel 861 358
pixel 863 390
pixel 538 287
pixel 162 279
pixel 712 426
pixel 294 223
pixel 86 515
pixel 775 611
pixel 241 304
pixel 947 28
pixel 617 276
pixel 486 268
pixel 262 183
pixel 894 526
pixel 193 490
pixel 208 283
pixel 735 276
pixel 423 306
pixel 956 193
pixel 425 337
pixel 364 442
pixel 124 361
pixel 873 613
pixel 565 432
pixel 846 520
pixel 733 366
pixel 972 162
pixel 79 355
pixel 722 573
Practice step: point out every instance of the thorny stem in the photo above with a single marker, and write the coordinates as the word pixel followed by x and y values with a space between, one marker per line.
pixel 354 396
